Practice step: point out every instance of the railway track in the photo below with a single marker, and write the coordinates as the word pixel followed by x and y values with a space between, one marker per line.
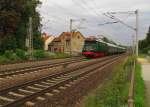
pixel 22 94
pixel 22 65
pixel 37 67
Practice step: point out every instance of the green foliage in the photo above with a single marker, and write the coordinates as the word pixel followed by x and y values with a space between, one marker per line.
pixel 14 17
pixel 3 60
pixel 144 45
pixel 7 43
pixel 140 98
pixel 8 54
pixel 21 54
pixel 8 57
pixel 40 54
pixel 38 43
pixel 62 55
pixel 114 92
pixel 142 55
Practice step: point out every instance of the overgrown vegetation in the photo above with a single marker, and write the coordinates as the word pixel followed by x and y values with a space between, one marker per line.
pixel 39 54
pixel 140 97
pixel 142 55
pixel 114 92
pixel 10 56
pixel 61 55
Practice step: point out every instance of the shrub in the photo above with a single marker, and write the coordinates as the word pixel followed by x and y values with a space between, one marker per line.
pixel 8 54
pixel 21 54
pixel 3 60
pixel 62 55
pixel 40 54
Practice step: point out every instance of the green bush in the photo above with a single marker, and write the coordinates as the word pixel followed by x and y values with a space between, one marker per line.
pixel 40 54
pixel 8 54
pixel 21 54
pixel 62 55
pixel 3 60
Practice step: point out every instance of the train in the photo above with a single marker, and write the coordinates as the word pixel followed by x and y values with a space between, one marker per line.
pixel 99 48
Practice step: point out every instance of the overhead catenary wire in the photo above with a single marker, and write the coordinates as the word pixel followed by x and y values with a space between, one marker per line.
pixel 88 9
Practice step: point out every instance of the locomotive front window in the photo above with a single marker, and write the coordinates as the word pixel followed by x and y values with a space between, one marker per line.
pixel 90 47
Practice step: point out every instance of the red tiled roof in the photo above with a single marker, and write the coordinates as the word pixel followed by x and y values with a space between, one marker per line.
pixel 57 39
pixel 67 33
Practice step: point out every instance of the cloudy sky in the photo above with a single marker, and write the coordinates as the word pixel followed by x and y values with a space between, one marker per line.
pixel 88 17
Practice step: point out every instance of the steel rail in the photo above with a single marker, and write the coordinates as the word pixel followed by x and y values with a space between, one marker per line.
pixel 56 74
pixel 35 68
pixel 65 81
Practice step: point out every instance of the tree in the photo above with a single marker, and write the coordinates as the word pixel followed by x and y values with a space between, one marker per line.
pixel 14 17
pixel 144 45
pixel 148 37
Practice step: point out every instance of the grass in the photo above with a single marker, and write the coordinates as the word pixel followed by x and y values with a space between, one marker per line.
pixel 20 55
pixel 114 91
pixel 140 94
pixel 142 55
pixel 59 55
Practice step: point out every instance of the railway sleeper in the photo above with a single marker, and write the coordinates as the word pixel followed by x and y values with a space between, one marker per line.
pixel 49 94
pixel 34 88
pixel 29 103
pixel 41 98
pixel 26 91
pixel 16 94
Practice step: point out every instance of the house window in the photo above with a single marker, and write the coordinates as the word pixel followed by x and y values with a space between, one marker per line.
pixel 78 37
pixel 67 43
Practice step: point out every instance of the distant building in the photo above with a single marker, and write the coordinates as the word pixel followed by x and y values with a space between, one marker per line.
pixel 68 42
pixel 47 40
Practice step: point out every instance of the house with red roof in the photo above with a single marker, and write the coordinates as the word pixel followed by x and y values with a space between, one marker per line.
pixel 68 42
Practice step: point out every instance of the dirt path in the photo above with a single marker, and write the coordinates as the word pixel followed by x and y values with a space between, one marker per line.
pixel 146 76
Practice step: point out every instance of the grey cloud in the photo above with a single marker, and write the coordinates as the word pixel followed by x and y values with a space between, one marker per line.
pixel 59 13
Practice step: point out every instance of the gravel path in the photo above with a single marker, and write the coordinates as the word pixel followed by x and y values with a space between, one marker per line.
pixel 146 76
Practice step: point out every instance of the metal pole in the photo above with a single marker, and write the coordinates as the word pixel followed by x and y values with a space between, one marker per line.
pixel 133 45
pixel 137 30
pixel 30 38
pixel 71 32
pixel 71 25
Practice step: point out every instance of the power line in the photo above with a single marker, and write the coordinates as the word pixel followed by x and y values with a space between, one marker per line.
pixel 136 29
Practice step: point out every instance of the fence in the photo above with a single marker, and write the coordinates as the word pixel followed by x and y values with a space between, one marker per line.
pixel 131 89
